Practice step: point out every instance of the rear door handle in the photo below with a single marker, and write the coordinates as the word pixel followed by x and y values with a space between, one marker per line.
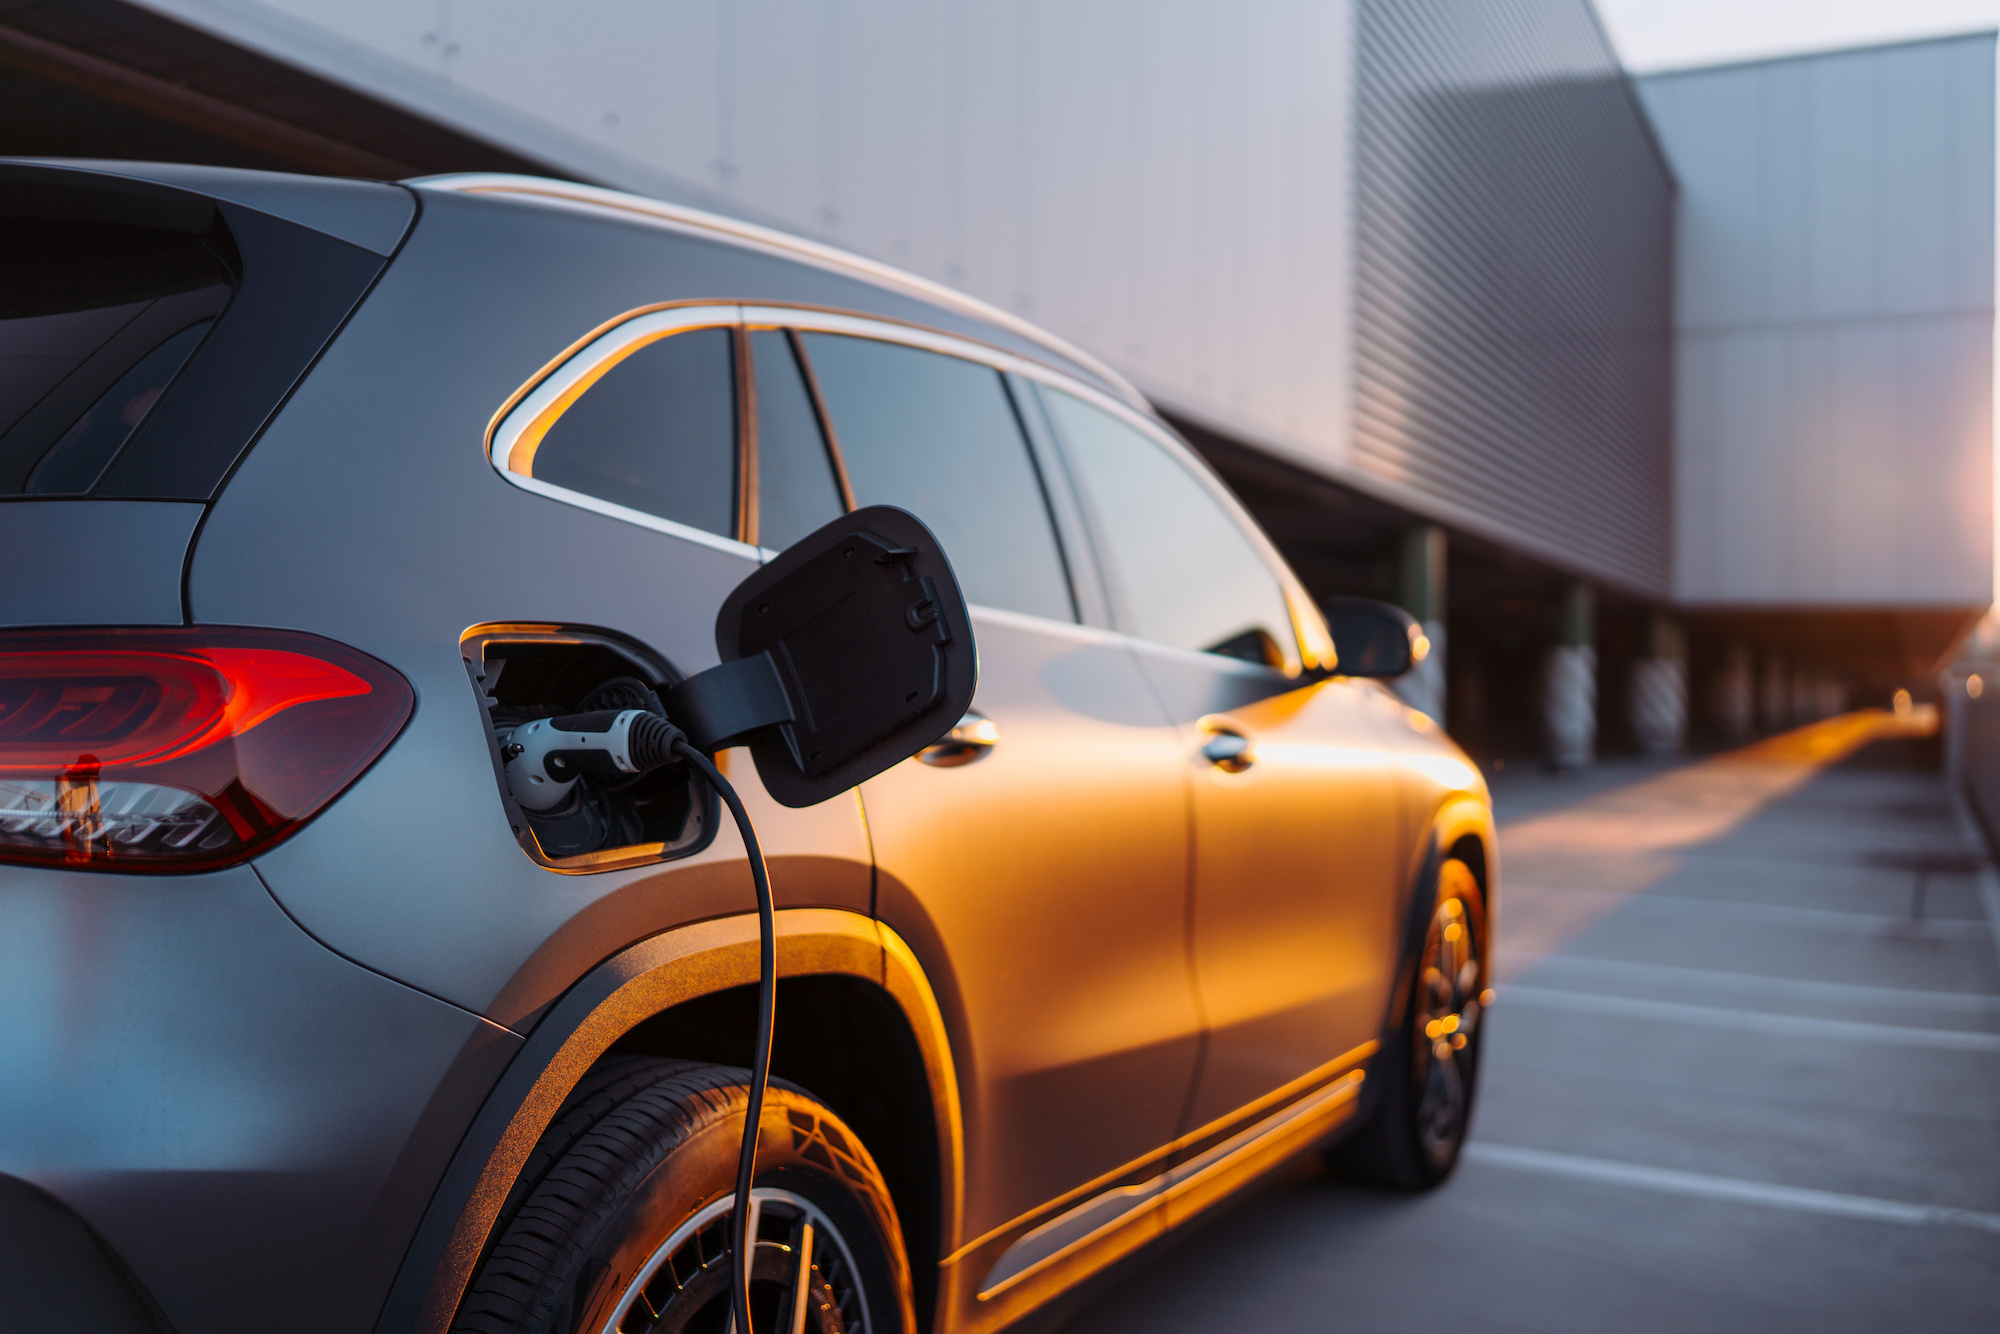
pixel 1230 752
pixel 973 739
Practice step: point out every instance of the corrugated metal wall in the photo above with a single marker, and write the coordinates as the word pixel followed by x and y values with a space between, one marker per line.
pixel 1836 325
pixel 1513 280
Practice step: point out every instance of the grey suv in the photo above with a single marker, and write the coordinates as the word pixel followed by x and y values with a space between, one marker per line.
pixel 321 500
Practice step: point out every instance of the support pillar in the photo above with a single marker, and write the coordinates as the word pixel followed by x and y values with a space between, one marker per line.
pixel 1659 689
pixel 1774 694
pixel 1569 682
pixel 1420 578
pixel 1805 696
pixel 1736 695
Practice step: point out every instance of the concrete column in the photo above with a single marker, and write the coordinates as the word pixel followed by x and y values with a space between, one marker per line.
pixel 1774 694
pixel 1735 697
pixel 1569 682
pixel 1805 690
pixel 1659 689
pixel 1420 591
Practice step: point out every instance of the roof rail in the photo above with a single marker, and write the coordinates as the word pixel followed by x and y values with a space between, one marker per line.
pixel 825 256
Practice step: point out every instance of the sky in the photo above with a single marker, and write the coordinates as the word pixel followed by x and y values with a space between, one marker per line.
pixel 1672 34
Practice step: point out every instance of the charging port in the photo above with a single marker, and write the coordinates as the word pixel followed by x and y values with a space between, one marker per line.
pixel 522 673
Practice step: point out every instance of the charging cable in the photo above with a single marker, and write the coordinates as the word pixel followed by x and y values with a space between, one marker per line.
pixel 760 1065
pixel 545 759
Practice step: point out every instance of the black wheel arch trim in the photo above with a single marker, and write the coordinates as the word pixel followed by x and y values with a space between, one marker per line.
pixel 642 981
pixel 1451 827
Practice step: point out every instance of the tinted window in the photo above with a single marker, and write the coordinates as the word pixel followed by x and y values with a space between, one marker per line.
pixel 1187 573
pixel 657 433
pixel 96 319
pixel 796 492
pixel 937 436
pixel 74 462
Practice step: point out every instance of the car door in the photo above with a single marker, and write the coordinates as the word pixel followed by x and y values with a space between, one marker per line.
pixel 1294 813
pixel 1039 870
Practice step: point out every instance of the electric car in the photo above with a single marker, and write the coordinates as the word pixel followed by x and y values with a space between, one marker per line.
pixel 322 500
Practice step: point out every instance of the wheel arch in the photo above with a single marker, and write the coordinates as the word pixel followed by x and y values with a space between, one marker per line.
pixel 641 999
pixel 1461 828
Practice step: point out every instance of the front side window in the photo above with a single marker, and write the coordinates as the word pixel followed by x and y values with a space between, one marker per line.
pixel 1187 574
pixel 938 436
pixel 655 433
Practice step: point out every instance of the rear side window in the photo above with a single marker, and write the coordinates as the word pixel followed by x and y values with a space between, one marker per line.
pixel 96 321
pixel 1186 573
pixel 938 436
pixel 796 487
pixel 655 433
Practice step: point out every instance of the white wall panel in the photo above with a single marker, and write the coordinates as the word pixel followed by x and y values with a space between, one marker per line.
pixel 1163 181
pixel 1835 295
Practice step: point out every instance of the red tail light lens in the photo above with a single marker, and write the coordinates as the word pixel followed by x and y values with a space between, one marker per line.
pixel 180 749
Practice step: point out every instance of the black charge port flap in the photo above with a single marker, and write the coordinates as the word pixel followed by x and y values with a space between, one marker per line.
pixel 865 628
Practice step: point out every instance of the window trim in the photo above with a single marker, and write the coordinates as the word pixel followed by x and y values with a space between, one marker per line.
pixel 550 391
pixel 749 478
pixel 517 429
pixel 802 320
pixel 1312 647
pixel 827 435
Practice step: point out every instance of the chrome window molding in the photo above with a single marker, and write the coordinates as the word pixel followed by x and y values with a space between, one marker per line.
pixel 518 432
pixel 1314 644
pixel 534 407
pixel 814 320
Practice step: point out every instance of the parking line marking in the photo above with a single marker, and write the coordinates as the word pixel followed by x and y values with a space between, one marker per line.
pixel 1777 914
pixel 1970 829
pixel 1963 1002
pixel 1703 1186
pixel 1752 1021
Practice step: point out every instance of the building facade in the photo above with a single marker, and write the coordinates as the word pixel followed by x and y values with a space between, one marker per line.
pixel 1468 318
pixel 1834 352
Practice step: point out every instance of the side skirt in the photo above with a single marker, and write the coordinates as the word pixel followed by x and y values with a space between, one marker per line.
pixel 1108 1224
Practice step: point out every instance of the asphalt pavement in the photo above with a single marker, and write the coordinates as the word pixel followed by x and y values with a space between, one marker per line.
pixel 1743 1074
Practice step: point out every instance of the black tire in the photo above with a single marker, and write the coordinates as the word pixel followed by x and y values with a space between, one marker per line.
pixel 1428 1069
pixel 620 1220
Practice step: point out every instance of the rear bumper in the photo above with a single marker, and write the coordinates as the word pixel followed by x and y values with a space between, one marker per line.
pixel 248 1123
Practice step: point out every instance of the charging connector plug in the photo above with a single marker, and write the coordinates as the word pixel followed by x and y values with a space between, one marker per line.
pixel 545 758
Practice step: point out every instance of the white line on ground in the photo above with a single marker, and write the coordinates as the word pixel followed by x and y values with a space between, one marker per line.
pixel 1989 882
pixel 1827 919
pixel 1580 965
pixel 1703 1186
pixel 1989 895
pixel 1751 1021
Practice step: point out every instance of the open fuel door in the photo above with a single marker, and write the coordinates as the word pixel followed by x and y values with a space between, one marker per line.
pixel 847 654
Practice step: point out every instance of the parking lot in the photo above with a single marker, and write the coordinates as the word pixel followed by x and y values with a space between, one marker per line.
pixel 1744 1074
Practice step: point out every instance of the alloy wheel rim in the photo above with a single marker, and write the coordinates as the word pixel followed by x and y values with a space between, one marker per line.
pixel 1447 1019
pixel 683 1288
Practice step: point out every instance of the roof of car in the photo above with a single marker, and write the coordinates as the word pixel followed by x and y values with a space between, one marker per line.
pixel 569 194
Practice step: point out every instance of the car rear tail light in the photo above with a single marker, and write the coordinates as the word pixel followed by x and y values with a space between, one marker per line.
pixel 179 749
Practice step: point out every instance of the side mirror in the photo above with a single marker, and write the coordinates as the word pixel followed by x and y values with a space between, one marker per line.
pixel 847 654
pixel 1373 638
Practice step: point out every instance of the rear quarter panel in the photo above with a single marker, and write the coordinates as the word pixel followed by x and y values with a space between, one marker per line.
pixel 369 513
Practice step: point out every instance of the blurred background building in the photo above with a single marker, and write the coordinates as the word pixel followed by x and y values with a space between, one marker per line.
pixel 1667 404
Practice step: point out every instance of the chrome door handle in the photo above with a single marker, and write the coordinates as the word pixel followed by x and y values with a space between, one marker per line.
pixel 1230 752
pixel 973 739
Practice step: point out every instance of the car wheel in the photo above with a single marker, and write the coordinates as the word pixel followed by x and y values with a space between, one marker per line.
pixel 1429 1069
pixel 620 1223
